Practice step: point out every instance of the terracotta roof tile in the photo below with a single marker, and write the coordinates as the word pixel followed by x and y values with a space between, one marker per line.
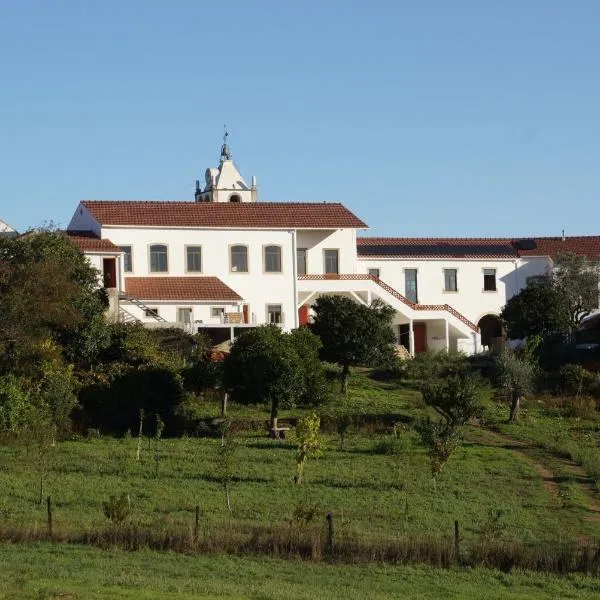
pixel 180 288
pixel 585 245
pixel 244 215
pixel 88 241
pixel 477 247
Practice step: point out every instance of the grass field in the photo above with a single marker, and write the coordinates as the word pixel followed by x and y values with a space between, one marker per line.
pixel 43 571
pixel 508 482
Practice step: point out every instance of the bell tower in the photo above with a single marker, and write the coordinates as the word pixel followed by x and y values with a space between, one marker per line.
pixel 224 183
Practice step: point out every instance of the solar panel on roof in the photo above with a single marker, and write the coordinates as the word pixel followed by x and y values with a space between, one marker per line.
pixel 526 244
pixel 441 249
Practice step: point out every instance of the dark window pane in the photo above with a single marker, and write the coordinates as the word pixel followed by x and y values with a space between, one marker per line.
pixel 489 280
pixel 331 261
pixel 239 259
pixel 158 259
pixel 410 285
pixel 194 258
pixel 301 261
pixel 450 283
pixel 272 259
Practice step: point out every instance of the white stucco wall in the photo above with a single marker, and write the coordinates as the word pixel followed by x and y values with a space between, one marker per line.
pixel 82 220
pixel 318 241
pixel 470 300
pixel 257 287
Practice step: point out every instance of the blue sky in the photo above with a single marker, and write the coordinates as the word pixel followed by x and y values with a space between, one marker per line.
pixel 426 118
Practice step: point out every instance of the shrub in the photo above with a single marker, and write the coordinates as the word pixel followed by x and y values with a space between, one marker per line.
pixel 429 365
pixel 574 379
pixel 117 508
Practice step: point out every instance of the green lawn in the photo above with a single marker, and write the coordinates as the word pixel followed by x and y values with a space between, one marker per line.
pixel 45 571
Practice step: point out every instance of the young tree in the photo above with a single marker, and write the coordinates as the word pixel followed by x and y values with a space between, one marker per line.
pixel 309 444
pixel 576 279
pixel 540 309
pixel 515 380
pixel 456 398
pixel 263 366
pixel 352 333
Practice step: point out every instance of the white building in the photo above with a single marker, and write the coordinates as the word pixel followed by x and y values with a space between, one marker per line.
pixel 6 230
pixel 226 261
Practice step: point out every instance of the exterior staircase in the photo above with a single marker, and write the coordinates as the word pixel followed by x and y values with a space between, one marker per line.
pixel 126 316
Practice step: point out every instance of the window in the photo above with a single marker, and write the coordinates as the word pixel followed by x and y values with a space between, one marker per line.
pixel 489 280
pixel 127 262
pixel 374 272
pixel 331 261
pixel 193 259
pixel 272 259
pixel 158 259
pixel 301 261
pixel 217 312
pixel 410 285
pixel 184 315
pixel 239 259
pixel 235 198
pixel 151 312
pixel 274 314
pixel 450 283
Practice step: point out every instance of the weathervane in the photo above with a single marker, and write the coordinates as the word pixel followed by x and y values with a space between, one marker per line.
pixel 225 151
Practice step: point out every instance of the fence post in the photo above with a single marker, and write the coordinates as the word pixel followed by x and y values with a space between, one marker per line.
pixel 197 522
pixel 330 533
pixel 456 541
pixel 49 505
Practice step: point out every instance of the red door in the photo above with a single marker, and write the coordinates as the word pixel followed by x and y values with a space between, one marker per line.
pixel 303 315
pixel 420 334
pixel 245 313
pixel 109 268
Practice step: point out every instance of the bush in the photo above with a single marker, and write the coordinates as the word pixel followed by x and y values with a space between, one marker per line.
pixel 431 365
pixel 573 379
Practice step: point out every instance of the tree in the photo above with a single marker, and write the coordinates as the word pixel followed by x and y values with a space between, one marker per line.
pixel 515 380
pixel 309 444
pixel 576 279
pixel 48 290
pixel 456 398
pixel 540 309
pixel 352 333
pixel 263 366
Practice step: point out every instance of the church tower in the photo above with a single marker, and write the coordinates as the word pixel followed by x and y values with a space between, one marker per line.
pixel 225 184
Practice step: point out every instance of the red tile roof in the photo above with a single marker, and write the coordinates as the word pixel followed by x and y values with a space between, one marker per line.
pixel 584 245
pixel 88 241
pixel 243 215
pixel 478 247
pixel 180 288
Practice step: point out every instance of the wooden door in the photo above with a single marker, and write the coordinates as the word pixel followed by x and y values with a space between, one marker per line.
pixel 303 315
pixel 420 335
pixel 245 312
pixel 109 269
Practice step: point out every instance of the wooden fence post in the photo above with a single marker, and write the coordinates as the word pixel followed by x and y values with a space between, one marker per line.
pixel 330 533
pixel 49 505
pixel 456 541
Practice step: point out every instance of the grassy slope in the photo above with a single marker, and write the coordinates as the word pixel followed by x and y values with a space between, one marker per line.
pixel 369 493
pixel 39 571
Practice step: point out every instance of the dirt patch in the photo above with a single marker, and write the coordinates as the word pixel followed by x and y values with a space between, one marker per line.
pixel 550 480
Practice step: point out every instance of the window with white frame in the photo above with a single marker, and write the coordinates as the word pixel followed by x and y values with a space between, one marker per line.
pixel 374 272
pixel 331 258
pixel 450 281
pixel 159 262
pixel 184 315
pixel 239 259
pixel 274 314
pixel 272 259
pixel 411 290
pixel 127 260
pixel 151 312
pixel 193 259
pixel 489 280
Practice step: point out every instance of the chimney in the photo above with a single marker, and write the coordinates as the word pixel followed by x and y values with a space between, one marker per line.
pixel 198 191
pixel 563 235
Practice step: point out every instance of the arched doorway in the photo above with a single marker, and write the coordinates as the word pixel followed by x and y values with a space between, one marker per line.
pixel 490 327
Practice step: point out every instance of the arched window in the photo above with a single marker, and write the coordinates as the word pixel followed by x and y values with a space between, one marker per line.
pixel 272 259
pixel 239 259
pixel 159 262
pixel 235 198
